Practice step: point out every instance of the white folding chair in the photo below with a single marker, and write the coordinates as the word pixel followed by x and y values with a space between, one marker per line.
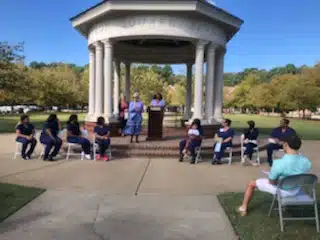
pixel 198 154
pixel 229 158
pixel 96 147
pixel 17 150
pixel 306 197
pixel 72 146
pixel 255 150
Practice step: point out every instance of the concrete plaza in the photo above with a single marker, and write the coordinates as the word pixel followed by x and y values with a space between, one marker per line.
pixel 137 198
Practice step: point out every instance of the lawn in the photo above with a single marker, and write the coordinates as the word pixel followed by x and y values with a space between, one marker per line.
pixel 258 226
pixel 14 197
pixel 8 122
pixel 308 130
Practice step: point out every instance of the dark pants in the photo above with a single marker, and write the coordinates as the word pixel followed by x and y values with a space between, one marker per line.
pixel 219 155
pixel 249 149
pixel 270 148
pixel 192 147
pixel 103 145
pixel 123 123
pixel 50 143
pixel 25 142
pixel 85 144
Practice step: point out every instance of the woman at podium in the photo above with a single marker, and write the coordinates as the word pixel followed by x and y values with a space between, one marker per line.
pixel 133 127
pixel 157 101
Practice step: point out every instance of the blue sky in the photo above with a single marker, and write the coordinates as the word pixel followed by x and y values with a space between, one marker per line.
pixel 275 32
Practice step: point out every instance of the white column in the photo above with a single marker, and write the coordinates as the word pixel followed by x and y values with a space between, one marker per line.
pixel 219 85
pixel 198 88
pixel 91 81
pixel 116 90
pixel 108 51
pixel 187 111
pixel 209 110
pixel 99 79
pixel 127 81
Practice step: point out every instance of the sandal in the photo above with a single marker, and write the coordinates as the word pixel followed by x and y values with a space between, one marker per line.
pixel 242 211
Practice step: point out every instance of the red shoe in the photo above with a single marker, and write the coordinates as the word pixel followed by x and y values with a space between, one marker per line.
pixel 98 157
pixel 106 158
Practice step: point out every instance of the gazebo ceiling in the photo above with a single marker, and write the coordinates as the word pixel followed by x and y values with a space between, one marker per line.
pixel 84 21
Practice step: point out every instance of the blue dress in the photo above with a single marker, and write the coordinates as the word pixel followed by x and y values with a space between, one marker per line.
pixel 134 122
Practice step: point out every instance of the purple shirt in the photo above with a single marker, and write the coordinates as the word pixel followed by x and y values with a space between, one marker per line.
pixel 156 103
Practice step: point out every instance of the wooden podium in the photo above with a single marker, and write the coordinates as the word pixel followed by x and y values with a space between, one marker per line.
pixel 155 123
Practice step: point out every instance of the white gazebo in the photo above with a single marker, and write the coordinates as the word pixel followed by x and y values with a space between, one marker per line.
pixel 156 31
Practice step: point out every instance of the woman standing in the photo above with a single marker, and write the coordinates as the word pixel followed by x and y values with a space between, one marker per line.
pixel 49 137
pixel 25 135
pixel 157 101
pixel 226 134
pixel 74 135
pixel 133 127
pixel 250 142
pixel 102 138
pixel 123 108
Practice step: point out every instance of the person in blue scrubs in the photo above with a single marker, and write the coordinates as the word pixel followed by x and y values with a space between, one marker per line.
pixel 102 138
pixel 49 137
pixel 227 134
pixel 250 141
pixel 194 142
pixel 74 135
pixel 282 131
pixel 25 135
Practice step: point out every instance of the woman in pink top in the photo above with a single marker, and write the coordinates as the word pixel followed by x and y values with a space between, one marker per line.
pixel 123 109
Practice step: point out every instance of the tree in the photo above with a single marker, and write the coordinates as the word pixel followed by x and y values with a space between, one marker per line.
pixel 13 78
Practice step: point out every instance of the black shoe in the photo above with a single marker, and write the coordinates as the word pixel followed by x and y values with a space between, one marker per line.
pixel 28 158
pixel 219 162
pixel 214 162
pixel 193 161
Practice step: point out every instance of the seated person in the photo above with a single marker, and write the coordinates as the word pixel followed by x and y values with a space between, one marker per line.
pixel 192 133
pixel 192 141
pixel 25 135
pixel 74 135
pixel 102 138
pixel 225 135
pixel 277 133
pixel 250 142
pixel 49 137
pixel 292 163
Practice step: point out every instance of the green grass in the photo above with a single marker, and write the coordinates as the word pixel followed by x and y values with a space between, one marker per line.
pixel 307 129
pixel 8 122
pixel 258 226
pixel 14 197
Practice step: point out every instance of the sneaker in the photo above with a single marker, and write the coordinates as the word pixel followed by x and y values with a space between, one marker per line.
pixel 87 156
pixel 28 158
pixel 98 157
pixel 106 158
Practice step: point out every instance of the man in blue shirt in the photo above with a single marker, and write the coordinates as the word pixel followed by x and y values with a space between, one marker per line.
pixel 277 133
pixel 292 163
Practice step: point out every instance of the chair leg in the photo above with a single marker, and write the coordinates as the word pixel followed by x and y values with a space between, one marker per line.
pixel 110 153
pixel 316 215
pixel 94 152
pixel 258 156
pixel 280 214
pixel 68 152
pixel 230 156
pixel 272 204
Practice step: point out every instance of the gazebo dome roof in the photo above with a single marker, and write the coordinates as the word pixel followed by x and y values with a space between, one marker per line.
pixel 84 21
